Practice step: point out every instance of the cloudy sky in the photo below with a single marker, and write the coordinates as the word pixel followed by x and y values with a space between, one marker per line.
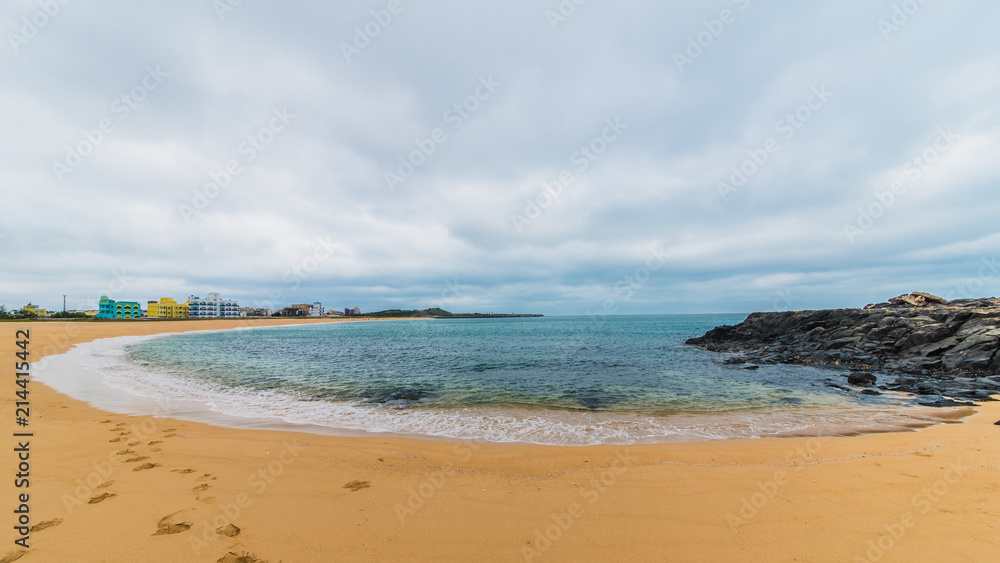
pixel 518 156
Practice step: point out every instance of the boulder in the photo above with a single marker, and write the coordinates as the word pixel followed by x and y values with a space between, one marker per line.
pixel 918 299
pixel 861 379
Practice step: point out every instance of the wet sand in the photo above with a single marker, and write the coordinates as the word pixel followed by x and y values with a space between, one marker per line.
pixel 110 487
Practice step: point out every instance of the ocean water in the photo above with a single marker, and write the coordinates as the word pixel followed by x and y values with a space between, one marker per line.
pixel 559 380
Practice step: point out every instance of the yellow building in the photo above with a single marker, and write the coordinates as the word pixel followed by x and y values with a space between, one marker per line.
pixel 167 308
pixel 30 309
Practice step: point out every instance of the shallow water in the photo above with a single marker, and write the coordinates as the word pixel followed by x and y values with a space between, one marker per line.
pixel 569 380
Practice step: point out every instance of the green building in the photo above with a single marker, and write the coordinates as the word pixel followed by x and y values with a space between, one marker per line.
pixel 111 309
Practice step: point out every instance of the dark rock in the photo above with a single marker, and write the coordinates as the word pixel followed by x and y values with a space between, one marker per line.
pixel 947 403
pixel 919 338
pixel 997 423
pixel 752 368
pixel 870 392
pixel 861 379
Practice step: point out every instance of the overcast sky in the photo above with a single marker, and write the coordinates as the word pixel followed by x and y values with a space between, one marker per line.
pixel 518 156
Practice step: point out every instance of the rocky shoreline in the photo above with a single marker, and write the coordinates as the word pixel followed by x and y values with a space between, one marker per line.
pixel 946 351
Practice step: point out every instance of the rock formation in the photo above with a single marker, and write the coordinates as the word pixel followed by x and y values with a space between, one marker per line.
pixel 933 346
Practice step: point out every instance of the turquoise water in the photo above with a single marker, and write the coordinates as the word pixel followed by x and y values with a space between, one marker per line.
pixel 569 380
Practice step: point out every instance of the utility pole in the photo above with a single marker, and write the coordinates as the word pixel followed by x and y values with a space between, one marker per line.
pixel 64 303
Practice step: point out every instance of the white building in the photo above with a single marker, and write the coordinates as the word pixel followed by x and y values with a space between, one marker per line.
pixel 316 309
pixel 213 306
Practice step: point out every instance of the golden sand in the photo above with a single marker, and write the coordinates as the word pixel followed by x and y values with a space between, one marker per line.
pixel 109 487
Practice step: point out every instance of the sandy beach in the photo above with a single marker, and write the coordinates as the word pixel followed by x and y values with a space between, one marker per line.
pixel 109 487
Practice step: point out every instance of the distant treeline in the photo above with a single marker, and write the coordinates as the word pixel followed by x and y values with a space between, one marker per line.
pixel 438 313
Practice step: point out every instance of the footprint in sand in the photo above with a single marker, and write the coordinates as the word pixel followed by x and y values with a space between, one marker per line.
pixel 104 485
pixel 124 434
pixel 165 527
pixel 170 435
pixel 233 557
pixel 156 450
pixel 207 477
pixel 115 439
pixel 145 466
pixel 154 442
pixel 100 498
pixel 165 430
pixel 228 530
pixel 125 452
pixel 136 458
pixel 357 485
pixel 200 489
pixel 105 422
pixel 135 443
pixel 183 471
pixel 46 524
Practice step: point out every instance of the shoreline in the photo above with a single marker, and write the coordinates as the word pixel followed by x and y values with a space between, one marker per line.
pixel 74 373
pixel 307 497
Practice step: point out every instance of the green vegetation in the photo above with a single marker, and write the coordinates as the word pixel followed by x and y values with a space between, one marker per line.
pixel 435 312
pixel 399 313
pixel 19 314
pixel 68 315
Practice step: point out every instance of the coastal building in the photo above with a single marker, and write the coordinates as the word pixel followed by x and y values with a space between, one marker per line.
pixel 30 309
pixel 110 309
pixel 167 308
pixel 254 312
pixel 213 306
pixel 304 310
pixel 352 311
pixel 296 311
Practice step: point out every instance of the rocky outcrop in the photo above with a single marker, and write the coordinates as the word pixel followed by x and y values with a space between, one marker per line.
pixel 916 299
pixel 934 346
